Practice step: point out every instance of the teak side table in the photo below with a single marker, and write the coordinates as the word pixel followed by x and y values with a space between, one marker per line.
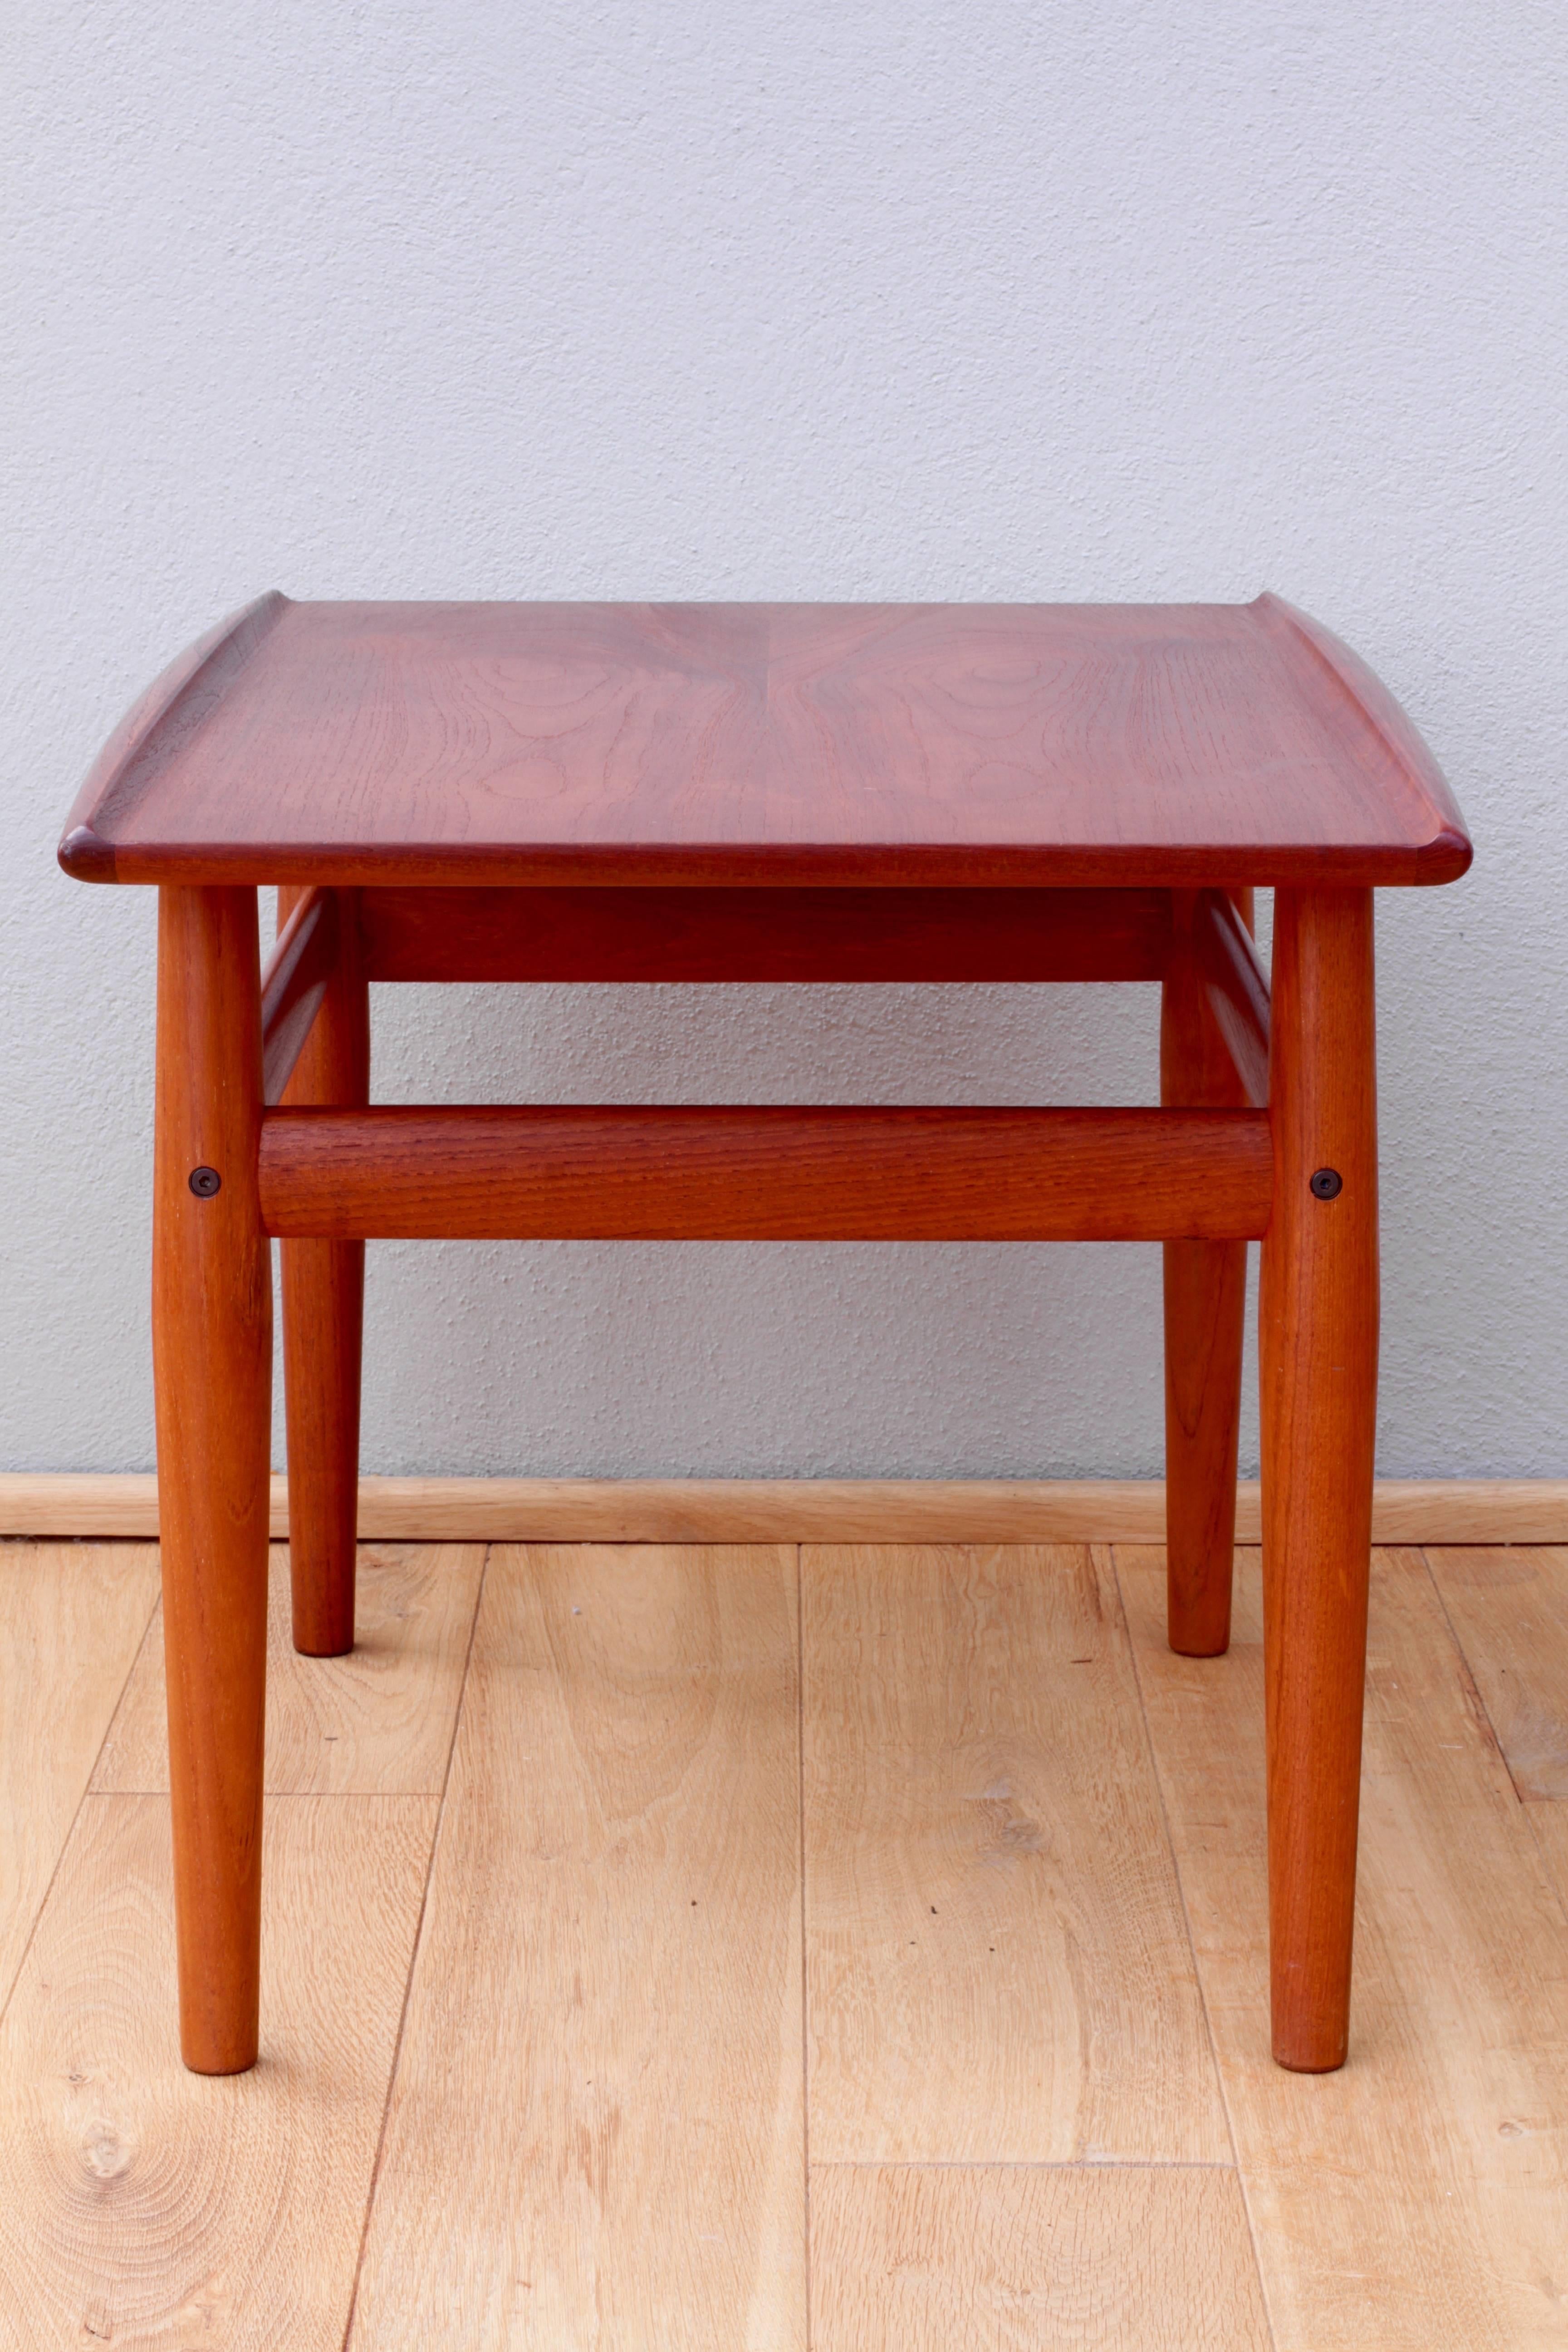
pixel 765 793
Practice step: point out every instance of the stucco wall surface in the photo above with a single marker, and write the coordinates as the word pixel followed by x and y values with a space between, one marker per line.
pixel 1081 301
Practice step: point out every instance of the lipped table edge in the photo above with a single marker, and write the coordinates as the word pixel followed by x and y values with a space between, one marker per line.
pixel 196 680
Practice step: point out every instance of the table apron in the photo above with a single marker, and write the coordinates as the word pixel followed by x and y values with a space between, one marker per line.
pixel 765 1173
pixel 759 935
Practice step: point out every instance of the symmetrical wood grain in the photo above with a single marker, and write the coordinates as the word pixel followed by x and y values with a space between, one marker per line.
pixel 378 1721
pixel 1102 2258
pixel 143 2206
pixel 938 745
pixel 1419 2197
pixel 71 1618
pixel 596 2133
pixel 998 1964
pixel 766 1173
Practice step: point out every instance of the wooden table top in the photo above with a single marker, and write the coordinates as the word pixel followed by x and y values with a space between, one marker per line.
pixel 937 744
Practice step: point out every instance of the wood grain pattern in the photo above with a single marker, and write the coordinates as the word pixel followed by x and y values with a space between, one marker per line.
pixel 595 2133
pixel 322 1285
pixel 764 1172
pixel 212 1366
pixel 1204 1297
pixel 765 935
pixel 72 1617
pixel 998 1964
pixel 1508 1607
pixel 294 980
pixel 1549 1826
pixel 792 1510
pixel 377 1722
pixel 1318 1333
pixel 142 2206
pixel 1235 990
pixel 1417 2197
pixel 938 745
pixel 158 723
pixel 1103 2258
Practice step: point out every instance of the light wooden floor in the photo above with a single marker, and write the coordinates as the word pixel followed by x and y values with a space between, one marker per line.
pixel 744 1949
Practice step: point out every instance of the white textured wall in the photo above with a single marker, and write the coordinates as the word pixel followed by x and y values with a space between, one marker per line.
pixel 875 299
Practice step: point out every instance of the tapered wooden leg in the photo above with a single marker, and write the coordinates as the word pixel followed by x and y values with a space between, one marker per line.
pixel 1205 1306
pixel 212 1356
pixel 323 1316
pixel 1319 1336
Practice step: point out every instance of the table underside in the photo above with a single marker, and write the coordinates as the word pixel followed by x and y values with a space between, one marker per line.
pixel 738 1173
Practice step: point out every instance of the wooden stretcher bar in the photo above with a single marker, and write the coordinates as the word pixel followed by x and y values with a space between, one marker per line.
pixel 765 1173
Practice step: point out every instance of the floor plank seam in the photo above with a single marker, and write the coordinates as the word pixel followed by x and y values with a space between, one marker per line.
pixel 1236 2164
pixel 86 1791
pixel 1024 2164
pixel 145 2201
pixel 1472 1687
pixel 414 1958
pixel 805 1983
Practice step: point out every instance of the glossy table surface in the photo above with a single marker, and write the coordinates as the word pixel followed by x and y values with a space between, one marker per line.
pixel 937 744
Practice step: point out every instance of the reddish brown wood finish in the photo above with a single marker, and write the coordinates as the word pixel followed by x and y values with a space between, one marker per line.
pixel 1234 989
pixel 173 705
pixel 295 981
pixel 1319 1378
pixel 768 793
pixel 1205 1305
pixel 323 1317
pixel 770 1174
pixel 212 1356
pixel 765 935
pixel 943 745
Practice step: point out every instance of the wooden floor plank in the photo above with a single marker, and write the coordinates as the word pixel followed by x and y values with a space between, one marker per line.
pixel 1509 1606
pixel 1420 2197
pixel 1549 1825
pixel 71 1618
pixel 142 2206
pixel 596 2136
pixel 377 1721
pixel 998 1965
pixel 1080 2258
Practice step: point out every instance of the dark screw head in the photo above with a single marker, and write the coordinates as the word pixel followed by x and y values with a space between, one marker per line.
pixel 206 1182
pixel 1327 1183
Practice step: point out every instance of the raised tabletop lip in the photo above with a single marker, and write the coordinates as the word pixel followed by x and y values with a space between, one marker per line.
pixel 175 708
pixel 87 857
